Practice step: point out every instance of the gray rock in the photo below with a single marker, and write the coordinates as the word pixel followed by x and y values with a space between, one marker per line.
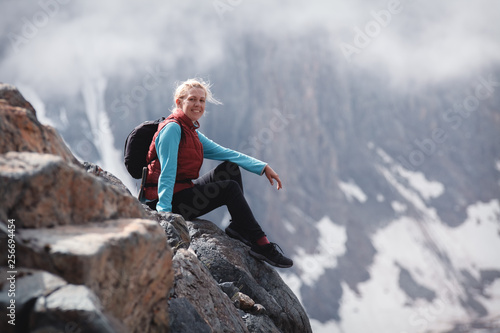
pixel 46 303
pixel 13 97
pixel 29 285
pixel 126 263
pixel 70 308
pixel 194 283
pixel 42 190
pixel 106 176
pixel 185 319
pixel 175 228
pixel 228 261
pixel 229 288
pixel 258 309
pixel 260 324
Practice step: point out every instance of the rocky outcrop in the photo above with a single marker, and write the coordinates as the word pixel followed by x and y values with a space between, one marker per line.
pixel 42 190
pixel 124 265
pixel 21 131
pixel 194 283
pixel 90 258
pixel 227 260
pixel 95 260
pixel 210 265
pixel 124 262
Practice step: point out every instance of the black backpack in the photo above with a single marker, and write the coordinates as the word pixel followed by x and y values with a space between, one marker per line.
pixel 137 146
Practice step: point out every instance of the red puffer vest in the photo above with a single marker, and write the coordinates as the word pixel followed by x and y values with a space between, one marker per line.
pixel 189 158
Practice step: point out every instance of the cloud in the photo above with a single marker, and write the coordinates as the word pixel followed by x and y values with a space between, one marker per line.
pixel 100 38
pixel 60 42
pixel 437 42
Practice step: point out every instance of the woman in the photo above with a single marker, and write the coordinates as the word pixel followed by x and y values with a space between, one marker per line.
pixel 175 158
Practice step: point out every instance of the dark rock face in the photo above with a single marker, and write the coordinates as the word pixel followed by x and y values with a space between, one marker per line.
pixel 91 258
pixel 194 283
pixel 228 260
pixel 184 318
pixel 216 276
pixel 47 303
pixel 209 264
pixel 175 228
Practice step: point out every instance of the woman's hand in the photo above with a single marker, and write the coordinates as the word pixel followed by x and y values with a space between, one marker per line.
pixel 271 174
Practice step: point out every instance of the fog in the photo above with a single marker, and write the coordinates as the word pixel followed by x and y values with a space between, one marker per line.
pixel 53 46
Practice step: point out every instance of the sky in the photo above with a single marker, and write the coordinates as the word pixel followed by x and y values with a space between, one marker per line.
pixel 54 45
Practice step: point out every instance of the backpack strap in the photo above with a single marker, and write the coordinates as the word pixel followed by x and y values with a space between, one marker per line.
pixel 171 120
pixel 143 184
pixel 153 184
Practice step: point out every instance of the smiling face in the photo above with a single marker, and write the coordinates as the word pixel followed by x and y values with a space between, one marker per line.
pixel 193 104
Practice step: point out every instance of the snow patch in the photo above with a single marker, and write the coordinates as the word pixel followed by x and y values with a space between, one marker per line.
pixel 411 196
pixel 383 304
pixel 427 189
pixel 380 198
pixel 475 244
pixel 93 93
pixel 352 191
pixel 434 254
pixel 398 207
pixel 289 227
pixel 328 327
pixel 385 157
pixel 378 303
pixel 417 180
pixel 497 165
pixel 331 245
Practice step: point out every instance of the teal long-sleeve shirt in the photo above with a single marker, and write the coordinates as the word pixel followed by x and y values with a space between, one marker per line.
pixel 167 146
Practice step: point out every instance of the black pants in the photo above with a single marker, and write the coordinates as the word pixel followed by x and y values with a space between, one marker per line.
pixel 221 186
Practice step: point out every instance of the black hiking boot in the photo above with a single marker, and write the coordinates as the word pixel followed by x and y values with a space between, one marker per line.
pixel 270 254
pixel 231 232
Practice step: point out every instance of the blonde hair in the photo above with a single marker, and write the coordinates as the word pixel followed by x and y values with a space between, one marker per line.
pixel 182 90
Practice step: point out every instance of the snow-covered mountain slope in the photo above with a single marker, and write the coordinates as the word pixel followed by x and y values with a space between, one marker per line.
pixel 425 276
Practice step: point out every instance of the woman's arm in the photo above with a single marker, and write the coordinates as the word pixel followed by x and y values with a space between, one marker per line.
pixel 213 151
pixel 167 147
